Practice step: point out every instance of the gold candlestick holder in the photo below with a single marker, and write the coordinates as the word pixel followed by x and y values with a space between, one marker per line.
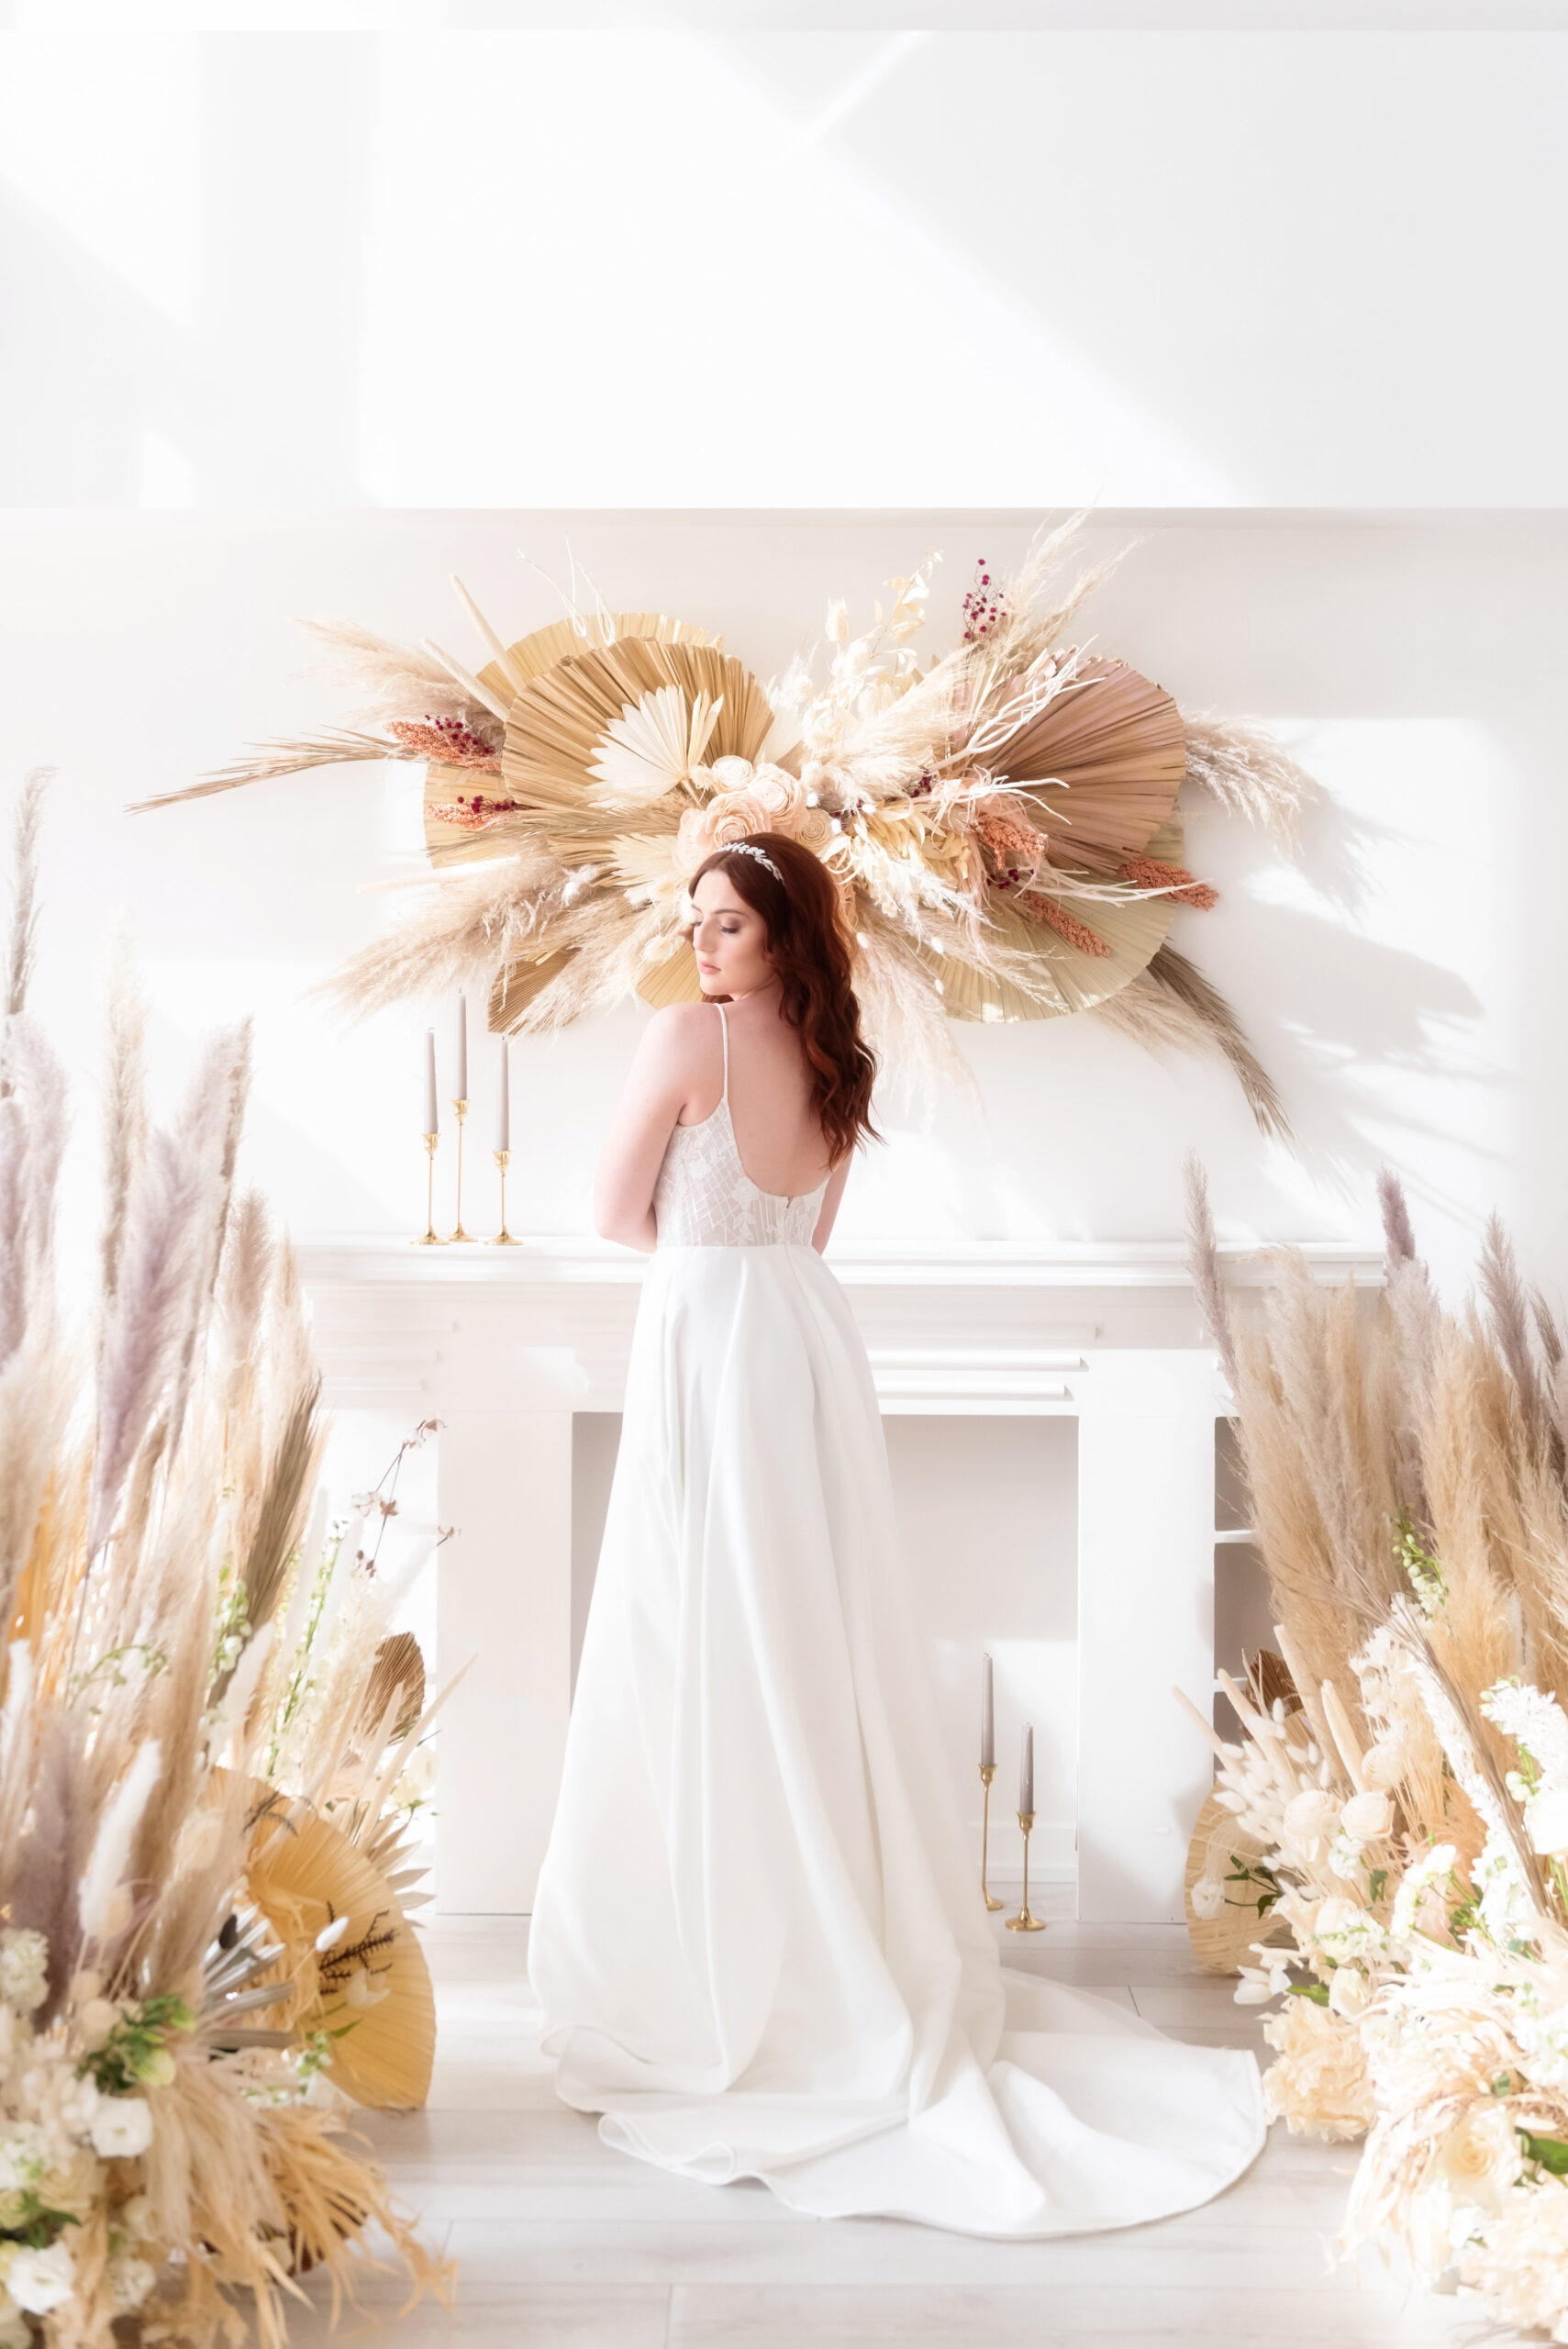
pixel 987 1772
pixel 460 1110
pixel 430 1237
pixel 1023 1922
pixel 503 1238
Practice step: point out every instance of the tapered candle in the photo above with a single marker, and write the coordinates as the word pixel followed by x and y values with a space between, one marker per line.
pixel 988 1717
pixel 432 1114
pixel 504 1100
pixel 1025 1771
pixel 462 1094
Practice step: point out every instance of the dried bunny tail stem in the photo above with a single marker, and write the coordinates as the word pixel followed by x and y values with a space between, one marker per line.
pixel 1203 1265
pixel 1311 1703
pixel 334 747
pixel 1244 768
pixel 27 827
pixel 125 1096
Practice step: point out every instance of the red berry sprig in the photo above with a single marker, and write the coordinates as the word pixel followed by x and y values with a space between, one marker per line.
pixel 983 605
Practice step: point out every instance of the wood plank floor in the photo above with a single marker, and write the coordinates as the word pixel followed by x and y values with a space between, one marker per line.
pixel 563 2244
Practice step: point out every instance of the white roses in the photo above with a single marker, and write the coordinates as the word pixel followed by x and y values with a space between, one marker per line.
pixel 121 2127
pixel 1481 2160
pixel 39 2281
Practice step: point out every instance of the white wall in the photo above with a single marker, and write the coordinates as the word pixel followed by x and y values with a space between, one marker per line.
pixel 1403 980
pixel 740 268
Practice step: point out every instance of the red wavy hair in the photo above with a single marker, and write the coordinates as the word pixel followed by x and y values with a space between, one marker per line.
pixel 807 947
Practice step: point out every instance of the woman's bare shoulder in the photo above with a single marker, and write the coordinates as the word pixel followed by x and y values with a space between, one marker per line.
pixel 682 1035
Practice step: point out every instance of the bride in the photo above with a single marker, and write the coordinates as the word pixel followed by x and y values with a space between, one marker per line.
pixel 758 1941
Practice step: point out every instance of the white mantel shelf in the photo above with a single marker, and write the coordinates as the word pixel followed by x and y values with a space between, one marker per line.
pixel 505 1347
pixel 941 1263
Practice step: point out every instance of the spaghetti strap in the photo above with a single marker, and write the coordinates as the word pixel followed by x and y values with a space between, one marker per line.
pixel 723 1032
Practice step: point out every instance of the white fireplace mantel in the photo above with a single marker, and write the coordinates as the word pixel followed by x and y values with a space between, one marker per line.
pixel 504 1345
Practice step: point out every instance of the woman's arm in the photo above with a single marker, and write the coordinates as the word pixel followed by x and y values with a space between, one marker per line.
pixel 835 1192
pixel 657 1090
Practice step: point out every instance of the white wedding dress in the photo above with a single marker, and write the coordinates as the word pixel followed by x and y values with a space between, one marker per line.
pixel 758 1943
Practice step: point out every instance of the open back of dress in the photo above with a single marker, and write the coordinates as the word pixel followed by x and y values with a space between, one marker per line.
pixel 758 1941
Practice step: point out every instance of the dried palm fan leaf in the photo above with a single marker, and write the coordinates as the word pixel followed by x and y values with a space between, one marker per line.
pixel 559 723
pixel 399 1670
pixel 1008 808
pixel 1270 1682
pixel 676 980
pixel 1064 976
pixel 1223 1851
pixel 1104 757
pixel 306 1879
pixel 473 840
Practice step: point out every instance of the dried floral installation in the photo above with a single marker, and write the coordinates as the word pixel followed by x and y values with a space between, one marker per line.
pixel 1398 1794
pixel 205 1951
pixel 1001 821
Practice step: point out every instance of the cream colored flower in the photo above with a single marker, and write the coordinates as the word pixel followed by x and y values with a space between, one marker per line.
pixel 24 1968
pixel 1311 1814
pixel 122 2126
pixel 1382 1764
pixel 1320 2087
pixel 1519 2262
pixel 1365 1817
pixel 1481 2159
pixel 130 2281
pixel 1347 1990
pixel 1207 1897
pixel 41 2280
pixel 730 773
pixel 1335 1916
pixel 94 2022
pixel 1547 1819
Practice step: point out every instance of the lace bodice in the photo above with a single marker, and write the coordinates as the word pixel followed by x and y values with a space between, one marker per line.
pixel 705 1198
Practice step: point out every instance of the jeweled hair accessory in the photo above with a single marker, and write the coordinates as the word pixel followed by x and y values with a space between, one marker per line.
pixel 745 847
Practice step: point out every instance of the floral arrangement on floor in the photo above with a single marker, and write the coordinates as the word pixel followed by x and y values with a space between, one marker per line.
pixel 202 1725
pixel 1406 1801
pixel 1001 821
